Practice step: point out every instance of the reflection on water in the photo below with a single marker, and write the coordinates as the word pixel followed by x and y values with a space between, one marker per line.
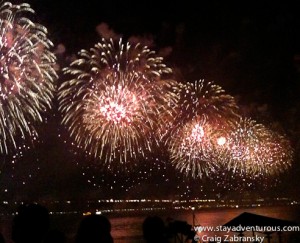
pixel 129 229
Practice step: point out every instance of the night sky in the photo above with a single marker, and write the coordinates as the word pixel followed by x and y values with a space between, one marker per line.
pixel 251 50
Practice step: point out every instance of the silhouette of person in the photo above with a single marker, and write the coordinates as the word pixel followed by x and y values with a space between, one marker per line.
pixel 154 230
pixel 2 238
pixel 94 229
pixel 30 224
pixel 55 236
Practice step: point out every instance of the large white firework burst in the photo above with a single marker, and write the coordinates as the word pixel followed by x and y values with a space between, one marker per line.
pixel 26 74
pixel 116 101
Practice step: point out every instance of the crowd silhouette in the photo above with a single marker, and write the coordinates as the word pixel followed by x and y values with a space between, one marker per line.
pixel 31 224
pixel 154 230
pixel 94 229
pixel 2 238
pixel 55 236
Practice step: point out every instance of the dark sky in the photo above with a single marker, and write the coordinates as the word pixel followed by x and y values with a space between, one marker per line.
pixel 231 42
pixel 250 49
pixel 241 45
pixel 208 20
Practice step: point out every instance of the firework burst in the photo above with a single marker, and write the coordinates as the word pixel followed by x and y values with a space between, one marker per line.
pixel 256 150
pixel 116 101
pixel 26 74
pixel 197 140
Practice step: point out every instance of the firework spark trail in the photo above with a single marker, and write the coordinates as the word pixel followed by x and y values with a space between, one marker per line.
pixel 208 100
pixel 205 114
pixel 26 74
pixel 116 101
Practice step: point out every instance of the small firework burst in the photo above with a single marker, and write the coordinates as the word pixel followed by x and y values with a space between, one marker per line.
pixel 116 102
pixel 255 149
pixel 281 154
pixel 26 74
